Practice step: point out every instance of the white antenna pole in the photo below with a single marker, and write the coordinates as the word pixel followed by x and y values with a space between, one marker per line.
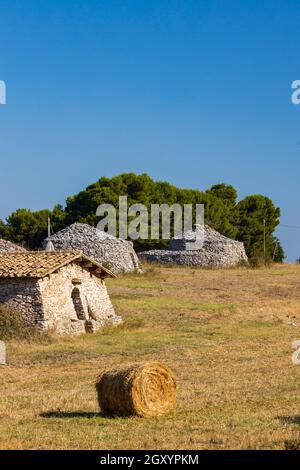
pixel 49 244
pixel 49 227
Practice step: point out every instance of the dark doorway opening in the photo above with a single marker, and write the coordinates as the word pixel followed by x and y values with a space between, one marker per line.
pixel 77 302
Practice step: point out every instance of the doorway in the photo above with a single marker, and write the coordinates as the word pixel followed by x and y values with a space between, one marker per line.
pixel 77 302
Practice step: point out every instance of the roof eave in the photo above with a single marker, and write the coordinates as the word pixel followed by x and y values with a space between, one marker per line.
pixel 81 257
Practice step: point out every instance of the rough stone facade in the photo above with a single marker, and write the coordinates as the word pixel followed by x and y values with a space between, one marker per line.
pixel 22 294
pixel 217 251
pixel 69 300
pixel 75 301
pixel 116 254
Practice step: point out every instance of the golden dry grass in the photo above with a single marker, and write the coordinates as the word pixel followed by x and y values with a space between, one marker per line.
pixel 227 336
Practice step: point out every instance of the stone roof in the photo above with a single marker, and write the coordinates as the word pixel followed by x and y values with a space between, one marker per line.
pixel 216 251
pixel 38 264
pixel 114 253
pixel 9 247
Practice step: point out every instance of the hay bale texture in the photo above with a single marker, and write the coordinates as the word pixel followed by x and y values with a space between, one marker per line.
pixel 146 389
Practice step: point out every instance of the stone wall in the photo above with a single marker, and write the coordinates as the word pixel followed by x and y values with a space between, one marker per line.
pixel 48 304
pixel 59 310
pixel 194 258
pixel 23 295
pixel 217 251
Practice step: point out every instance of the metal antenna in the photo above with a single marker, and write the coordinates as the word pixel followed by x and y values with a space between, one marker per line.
pixel 49 227
pixel 49 245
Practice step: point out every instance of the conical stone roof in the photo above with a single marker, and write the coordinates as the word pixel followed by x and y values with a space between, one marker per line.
pixel 9 247
pixel 113 253
pixel 216 250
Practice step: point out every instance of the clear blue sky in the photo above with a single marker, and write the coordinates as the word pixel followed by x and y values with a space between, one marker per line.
pixel 189 91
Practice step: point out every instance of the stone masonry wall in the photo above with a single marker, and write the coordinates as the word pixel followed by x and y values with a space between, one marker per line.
pixel 217 251
pixel 23 295
pixel 59 311
pixel 47 303
pixel 224 258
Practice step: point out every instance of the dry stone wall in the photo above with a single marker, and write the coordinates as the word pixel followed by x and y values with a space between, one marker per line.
pixel 23 295
pixel 48 304
pixel 59 311
pixel 217 251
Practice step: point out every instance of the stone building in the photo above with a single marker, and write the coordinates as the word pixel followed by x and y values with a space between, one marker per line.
pixel 116 254
pixel 60 291
pixel 9 247
pixel 216 250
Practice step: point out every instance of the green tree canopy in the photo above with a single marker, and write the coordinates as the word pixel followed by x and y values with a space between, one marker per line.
pixel 28 228
pixel 243 220
pixel 258 219
pixel 226 192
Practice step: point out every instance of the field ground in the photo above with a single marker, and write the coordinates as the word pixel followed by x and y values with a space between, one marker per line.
pixel 227 335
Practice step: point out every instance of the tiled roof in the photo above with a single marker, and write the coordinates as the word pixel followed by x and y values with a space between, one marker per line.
pixel 38 264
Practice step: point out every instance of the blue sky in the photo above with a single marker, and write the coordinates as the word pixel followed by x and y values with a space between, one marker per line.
pixel 189 91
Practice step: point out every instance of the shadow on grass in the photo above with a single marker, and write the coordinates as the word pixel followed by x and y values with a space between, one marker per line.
pixel 78 414
pixel 290 444
pixel 70 414
pixel 290 419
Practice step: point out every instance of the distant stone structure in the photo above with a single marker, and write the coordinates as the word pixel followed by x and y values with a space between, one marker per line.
pixel 217 251
pixel 2 353
pixel 116 254
pixel 191 241
pixel 9 247
pixel 60 291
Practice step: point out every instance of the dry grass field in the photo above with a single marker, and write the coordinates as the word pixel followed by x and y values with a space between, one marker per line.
pixel 226 334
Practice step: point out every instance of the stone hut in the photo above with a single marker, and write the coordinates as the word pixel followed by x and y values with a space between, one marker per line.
pixel 9 247
pixel 216 250
pixel 116 254
pixel 60 291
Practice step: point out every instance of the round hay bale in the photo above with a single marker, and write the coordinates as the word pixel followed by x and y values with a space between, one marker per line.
pixel 147 389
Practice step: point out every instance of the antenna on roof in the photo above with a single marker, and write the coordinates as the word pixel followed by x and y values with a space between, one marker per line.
pixel 49 245
pixel 49 227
